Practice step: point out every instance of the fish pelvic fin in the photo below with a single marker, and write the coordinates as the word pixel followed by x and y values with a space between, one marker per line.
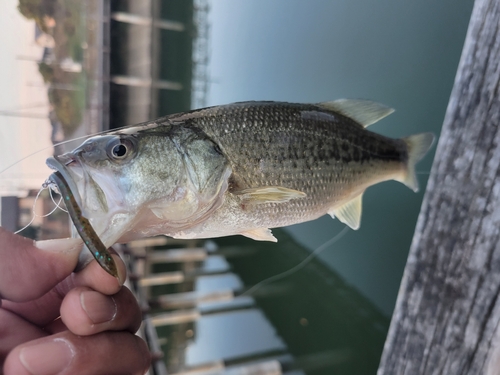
pixel 260 234
pixel 349 213
pixel 268 194
pixel 418 145
pixel 364 112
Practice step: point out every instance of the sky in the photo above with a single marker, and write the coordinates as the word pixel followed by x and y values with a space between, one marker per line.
pixel 23 92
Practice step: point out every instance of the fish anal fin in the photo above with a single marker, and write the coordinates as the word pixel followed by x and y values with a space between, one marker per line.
pixel 365 112
pixel 268 194
pixel 349 213
pixel 260 234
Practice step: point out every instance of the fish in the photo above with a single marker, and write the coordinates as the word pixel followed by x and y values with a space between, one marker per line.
pixel 236 169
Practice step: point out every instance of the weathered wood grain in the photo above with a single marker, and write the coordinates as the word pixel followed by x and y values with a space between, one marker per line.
pixel 447 314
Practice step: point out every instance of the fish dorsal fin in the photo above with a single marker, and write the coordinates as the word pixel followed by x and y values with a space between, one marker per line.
pixel 365 112
pixel 260 234
pixel 349 213
pixel 268 194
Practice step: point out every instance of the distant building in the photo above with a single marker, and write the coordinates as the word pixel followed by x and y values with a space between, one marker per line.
pixel 9 209
pixel 159 53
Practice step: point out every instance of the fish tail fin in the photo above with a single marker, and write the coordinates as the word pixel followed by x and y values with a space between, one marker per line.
pixel 418 145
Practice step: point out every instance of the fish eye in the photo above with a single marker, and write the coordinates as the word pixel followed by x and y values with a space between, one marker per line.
pixel 119 151
pixel 119 148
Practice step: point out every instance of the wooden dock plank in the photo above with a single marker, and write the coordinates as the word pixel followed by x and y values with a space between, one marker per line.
pixel 447 314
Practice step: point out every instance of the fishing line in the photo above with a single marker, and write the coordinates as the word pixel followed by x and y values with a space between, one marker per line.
pixel 32 210
pixel 26 226
pixel 299 266
pixel 35 215
pixel 59 144
pixel 37 152
pixel 58 204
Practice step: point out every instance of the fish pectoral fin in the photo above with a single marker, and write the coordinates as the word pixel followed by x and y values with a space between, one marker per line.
pixel 268 194
pixel 349 213
pixel 260 234
pixel 364 112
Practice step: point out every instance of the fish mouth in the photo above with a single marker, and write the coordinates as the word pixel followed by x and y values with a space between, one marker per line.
pixel 88 195
pixel 60 164
pixel 63 178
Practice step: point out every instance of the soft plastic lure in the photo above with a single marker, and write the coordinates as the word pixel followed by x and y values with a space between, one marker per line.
pixel 83 226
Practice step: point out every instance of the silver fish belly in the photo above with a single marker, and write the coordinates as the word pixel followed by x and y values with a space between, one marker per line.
pixel 240 169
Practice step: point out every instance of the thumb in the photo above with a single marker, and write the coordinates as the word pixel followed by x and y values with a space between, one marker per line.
pixel 30 269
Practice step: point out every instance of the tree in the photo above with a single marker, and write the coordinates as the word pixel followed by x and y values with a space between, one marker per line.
pixel 37 10
pixel 47 72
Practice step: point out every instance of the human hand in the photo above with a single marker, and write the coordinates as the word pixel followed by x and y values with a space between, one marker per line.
pixel 95 333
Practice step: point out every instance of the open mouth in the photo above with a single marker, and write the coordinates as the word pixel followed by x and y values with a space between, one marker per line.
pixel 60 164
pixel 63 180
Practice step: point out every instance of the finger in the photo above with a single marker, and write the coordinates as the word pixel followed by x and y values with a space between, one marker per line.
pixel 65 353
pixel 87 312
pixel 96 278
pixel 28 271
pixel 15 331
pixel 55 326
pixel 40 311
pixel 44 310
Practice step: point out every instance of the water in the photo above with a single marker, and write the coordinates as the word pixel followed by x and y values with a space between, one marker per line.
pixel 314 310
pixel 402 54
pixel 398 53
pixel 312 321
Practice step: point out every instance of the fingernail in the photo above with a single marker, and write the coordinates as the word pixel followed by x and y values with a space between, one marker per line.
pixel 122 273
pixel 60 245
pixel 47 358
pixel 99 308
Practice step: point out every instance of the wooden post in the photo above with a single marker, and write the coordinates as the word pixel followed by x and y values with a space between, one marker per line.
pixel 447 314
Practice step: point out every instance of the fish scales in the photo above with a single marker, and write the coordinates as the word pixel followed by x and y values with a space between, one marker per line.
pixel 275 144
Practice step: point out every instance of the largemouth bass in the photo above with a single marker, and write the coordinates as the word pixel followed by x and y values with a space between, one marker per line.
pixel 241 168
